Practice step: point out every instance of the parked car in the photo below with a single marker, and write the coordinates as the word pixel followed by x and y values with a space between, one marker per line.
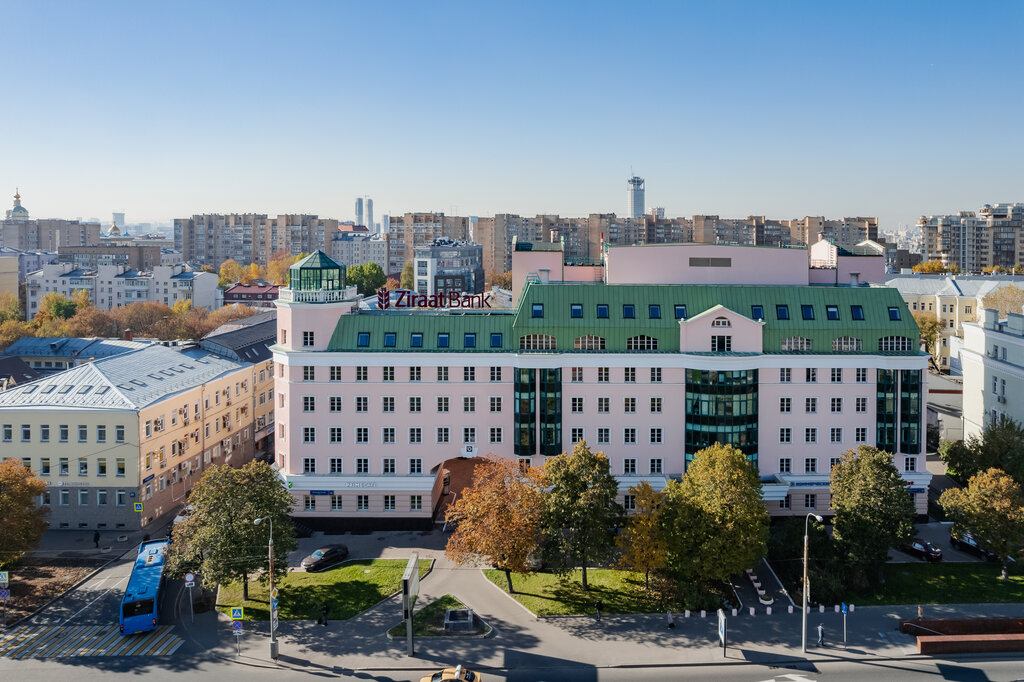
pixel 923 550
pixel 456 674
pixel 183 515
pixel 325 557
pixel 968 543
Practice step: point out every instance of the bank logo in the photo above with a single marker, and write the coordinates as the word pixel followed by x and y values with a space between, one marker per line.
pixel 383 298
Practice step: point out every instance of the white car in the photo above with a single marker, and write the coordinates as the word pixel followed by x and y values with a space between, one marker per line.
pixel 182 516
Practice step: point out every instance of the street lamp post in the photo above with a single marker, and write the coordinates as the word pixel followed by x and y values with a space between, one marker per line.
pixel 803 615
pixel 270 553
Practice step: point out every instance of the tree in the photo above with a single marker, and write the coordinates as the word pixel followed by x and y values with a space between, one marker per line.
pixel 23 521
pixel 56 305
pixel 931 267
pixel 80 297
pixel 498 516
pixel 230 272
pixel 277 268
pixel 90 321
pixel 503 280
pixel 642 540
pixel 873 510
pixel 391 284
pixel 991 509
pixel 10 307
pixel 251 274
pixel 930 327
pixel 1008 298
pixel 407 280
pixel 581 511
pixel 219 538
pixel 716 522
pixel 11 331
pixel 1000 446
pixel 366 278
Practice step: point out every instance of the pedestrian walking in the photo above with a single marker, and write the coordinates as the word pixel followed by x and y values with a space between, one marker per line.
pixel 671 620
pixel 821 634
pixel 96 539
pixel 323 611
pixel 597 607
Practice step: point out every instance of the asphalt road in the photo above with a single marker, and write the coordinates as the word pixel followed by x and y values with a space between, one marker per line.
pixel 95 602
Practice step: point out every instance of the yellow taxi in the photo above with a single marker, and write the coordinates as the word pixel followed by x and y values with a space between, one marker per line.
pixel 456 674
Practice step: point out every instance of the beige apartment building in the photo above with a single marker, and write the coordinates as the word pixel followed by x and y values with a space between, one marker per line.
pixel 973 240
pixel 135 428
pixel 212 238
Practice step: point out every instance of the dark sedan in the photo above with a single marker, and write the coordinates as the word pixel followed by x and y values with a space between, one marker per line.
pixel 325 557
pixel 966 542
pixel 923 550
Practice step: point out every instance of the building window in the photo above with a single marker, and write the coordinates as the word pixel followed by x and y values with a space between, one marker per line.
pixel 307 339
pixel 335 464
pixel 602 311
pixel 495 403
pixel 308 503
pixel 894 314
pixel 721 344
pixel 335 373
pixel 656 466
pixel 362 502
pixel 537 310
pixel 629 435
pixel 387 403
pixel 389 503
pixel 442 403
pixel 785 375
pixel 836 434
pixel 602 405
pixel 44 466
pixel 415 503
pixel 442 373
pixel 629 502
pixel 655 375
pixel 468 435
pixel 308 403
pixel 656 405
pixel 629 375
pixel 26 433
pixel 837 375
pixel 101 497
pixel 120 467
pixel 679 311
pixel 442 434
pixel 721 322
pixel 362 403
pixel 308 434
pixel 387 434
pixel 120 498
pixel 629 405
pixel 796 343
pixel 363 339
pixel 628 311
pixel 335 403
pixel 497 340
pixel 83 433
pixel 536 342
pixel 469 340
pixel 362 435
pixel 910 463
pixel 785 465
pixel 388 466
pixel 389 339
pixel 335 502
pixel 810 405
pixel 847 344
pixel 469 404
pixel 495 374
pixel 782 312
pixel 416 340
pixel 837 405
pixel 862 375
pixel 785 502
pixel 603 435
pixel 641 342
pixel 308 373
pixel 577 406
pixel 83 498
pixel 469 373
pixel 811 375
pixel 832 462
pixel 388 373
pixel 83 466
pixel 577 375
pixel 443 339
pixel 362 465
pixel 811 434
pixel 118 433
pixel 308 465
pixel 810 501
pixel 810 464
pixel 629 466
pixel 335 434
pixel 861 434
pixel 495 435
pixel 656 436
pixel 654 311
pixel 603 374
pixel 895 344
pixel 575 310
pixel 65 497
pixel 857 313
pixel 785 405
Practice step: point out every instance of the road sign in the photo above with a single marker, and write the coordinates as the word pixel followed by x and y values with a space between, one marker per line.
pixel 4 575
pixel 236 612
pixel 845 608
pixel 5 594
pixel 236 625
pixel 722 629
pixel 273 593
pixel 273 617
pixel 273 603
pixel 190 577
pixel 190 583
pixel 138 506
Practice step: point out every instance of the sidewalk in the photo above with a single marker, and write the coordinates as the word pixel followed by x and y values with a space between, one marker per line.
pixel 73 544
pixel 522 640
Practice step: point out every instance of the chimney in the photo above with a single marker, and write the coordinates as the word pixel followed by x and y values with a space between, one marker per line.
pixel 854 279
pixel 128 335
pixel 545 275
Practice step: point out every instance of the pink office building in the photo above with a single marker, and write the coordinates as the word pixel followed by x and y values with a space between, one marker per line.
pixel 649 355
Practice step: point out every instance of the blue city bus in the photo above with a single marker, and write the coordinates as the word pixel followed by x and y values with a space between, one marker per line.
pixel 141 602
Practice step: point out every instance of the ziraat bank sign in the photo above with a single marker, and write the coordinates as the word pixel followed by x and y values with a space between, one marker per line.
pixel 449 299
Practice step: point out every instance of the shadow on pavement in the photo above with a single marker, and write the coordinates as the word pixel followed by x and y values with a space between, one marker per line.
pixel 524 666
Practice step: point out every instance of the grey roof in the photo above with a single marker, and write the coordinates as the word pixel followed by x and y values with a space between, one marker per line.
pixel 245 340
pixel 130 381
pixel 66 347
pixel 943 285
pixel 12 367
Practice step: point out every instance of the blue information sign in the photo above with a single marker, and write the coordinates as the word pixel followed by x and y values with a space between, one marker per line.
pixel 321 492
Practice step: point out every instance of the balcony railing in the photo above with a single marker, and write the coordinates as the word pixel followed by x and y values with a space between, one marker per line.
pixel 320 296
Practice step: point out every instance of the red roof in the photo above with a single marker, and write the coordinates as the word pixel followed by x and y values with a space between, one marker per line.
pixel 239 289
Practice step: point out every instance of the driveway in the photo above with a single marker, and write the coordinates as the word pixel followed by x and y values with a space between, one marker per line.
pixel 938 534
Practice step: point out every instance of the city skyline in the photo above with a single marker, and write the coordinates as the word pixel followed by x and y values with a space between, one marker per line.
pixel 721 110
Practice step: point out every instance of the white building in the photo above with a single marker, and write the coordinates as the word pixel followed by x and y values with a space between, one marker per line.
pixel 993 366
pixel 110 286
pixel 356 248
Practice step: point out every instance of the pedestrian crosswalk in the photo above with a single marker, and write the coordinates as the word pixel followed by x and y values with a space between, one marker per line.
pixel 61 641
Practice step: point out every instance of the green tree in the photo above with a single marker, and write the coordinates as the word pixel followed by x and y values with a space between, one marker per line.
pixel 930 327
pixel 23 521
pixel 581 511
pixel 1001 446
pixel 10 307
pixel 219 538
pixel 961 462
pixel 373 278
pixel 716 522
pixel 57 306
pixel 642 541
pixel 873 510
pixel 498 516
pixel 407 280
pixel 1008 298
pixel 991 508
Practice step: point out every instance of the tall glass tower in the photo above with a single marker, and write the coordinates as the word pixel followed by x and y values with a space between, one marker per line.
pixel 635 197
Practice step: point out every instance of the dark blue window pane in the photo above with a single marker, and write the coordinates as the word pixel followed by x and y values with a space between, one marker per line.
pixel 628 311
pixel 757 312
pixel 416 340
pixel 442 340
pixel 496 340
pixel 680 312
pixel 538 310
pixel 654 312
pixel 894 314
pixel 575 310
pixel 857 312
pixel 807 311
pixel 832 312
pixel 602 310
pixel 364 339
pixel 389 339
pixel 782 312
pixel 469 341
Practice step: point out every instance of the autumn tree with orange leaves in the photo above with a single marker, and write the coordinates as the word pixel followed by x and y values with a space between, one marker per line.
pixel 498 516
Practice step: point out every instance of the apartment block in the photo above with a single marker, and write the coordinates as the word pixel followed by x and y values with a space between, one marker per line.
pixel 993 370
pixel 356 248
pixel 211 239
pixel 110 286
pixel 973 240
pixel 649 354
pixel 448 265
pixel 133 256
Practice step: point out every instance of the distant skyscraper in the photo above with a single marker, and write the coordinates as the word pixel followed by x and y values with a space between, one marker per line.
pixel 635 197
pixel 359 211
pixel 369 214
pixel 385 224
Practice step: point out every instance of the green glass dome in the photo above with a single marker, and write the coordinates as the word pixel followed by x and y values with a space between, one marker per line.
pixel 316 272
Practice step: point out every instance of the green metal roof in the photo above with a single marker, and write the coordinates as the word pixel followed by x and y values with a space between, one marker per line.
pixel 557 298
pixel 317 259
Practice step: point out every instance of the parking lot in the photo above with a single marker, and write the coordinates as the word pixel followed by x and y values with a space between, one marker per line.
pixel 937 534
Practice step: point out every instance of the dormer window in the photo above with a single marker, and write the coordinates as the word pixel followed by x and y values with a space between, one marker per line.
pixel 721 322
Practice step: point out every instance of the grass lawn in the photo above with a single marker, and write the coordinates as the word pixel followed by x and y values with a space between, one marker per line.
pixel 946 583
pixel 548 594
pixel 429 621
pixel 348 589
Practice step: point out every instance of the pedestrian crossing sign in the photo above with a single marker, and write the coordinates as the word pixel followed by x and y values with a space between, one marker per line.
pixel 236 612
pixel 138 506
pixel 3 577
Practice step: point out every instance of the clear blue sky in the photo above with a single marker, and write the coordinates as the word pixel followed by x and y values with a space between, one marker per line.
pixel 164 109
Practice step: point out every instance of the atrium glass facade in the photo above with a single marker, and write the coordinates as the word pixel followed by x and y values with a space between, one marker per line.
pixel 721 407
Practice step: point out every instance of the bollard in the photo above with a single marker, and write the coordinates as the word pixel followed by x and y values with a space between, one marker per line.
pixel 769 610
pixel 821 608
pixel 790 607
pixel 808 609
pixel 751 610
pixel 851 608
pixel 703 613
pixel 686 613
pixel 837 608
pixel 734 611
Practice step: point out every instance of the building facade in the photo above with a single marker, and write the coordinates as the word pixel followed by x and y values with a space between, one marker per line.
pixel 354 248
pixel 448 265
pixel 635 197
pixel 138 427
pixel 650 356
pixel 252 295
pixel 974 240
pixel 110 286
pixel 992 356
pixel 210 239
